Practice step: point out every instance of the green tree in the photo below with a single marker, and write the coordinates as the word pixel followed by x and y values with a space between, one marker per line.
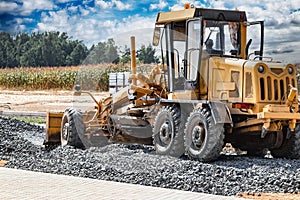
pixel 7 58
pixel 111 52
pixel 77 55
pixel 147 54
pixel 125 58
pixel 19 46
pixel 103 52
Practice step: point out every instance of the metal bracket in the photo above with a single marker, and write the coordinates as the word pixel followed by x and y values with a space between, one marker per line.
pixel 292 124
pixel 265 127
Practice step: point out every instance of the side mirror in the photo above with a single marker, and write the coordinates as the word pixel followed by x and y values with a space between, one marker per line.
pixel 156 36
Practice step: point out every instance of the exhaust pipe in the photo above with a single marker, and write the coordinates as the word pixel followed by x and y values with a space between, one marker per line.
pixel 133 60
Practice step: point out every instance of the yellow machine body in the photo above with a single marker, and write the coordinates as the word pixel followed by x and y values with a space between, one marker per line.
pixel 206 73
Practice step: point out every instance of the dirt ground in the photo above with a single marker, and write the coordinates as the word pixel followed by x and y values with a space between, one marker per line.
pixel 267 196
pixel 44 101
pixel 58 101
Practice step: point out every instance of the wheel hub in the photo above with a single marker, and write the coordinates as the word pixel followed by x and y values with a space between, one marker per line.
pixel 165 133
pixel 198 135
pixel 65 131
pixel 111 127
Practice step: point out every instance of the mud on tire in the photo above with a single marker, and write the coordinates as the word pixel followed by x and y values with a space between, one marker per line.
pixel 168 132
pixel 203 138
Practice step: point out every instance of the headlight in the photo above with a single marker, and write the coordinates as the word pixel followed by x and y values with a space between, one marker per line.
pixel 290 70
pixel 261 69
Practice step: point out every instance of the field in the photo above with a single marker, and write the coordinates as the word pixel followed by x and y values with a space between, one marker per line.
pixel 93 77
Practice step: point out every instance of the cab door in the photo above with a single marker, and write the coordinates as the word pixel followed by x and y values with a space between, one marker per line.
pixel 193 54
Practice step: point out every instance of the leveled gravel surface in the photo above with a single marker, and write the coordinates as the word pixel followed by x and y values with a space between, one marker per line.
pixel 21 145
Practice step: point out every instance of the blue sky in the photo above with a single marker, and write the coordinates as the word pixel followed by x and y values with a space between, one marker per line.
pixel 93 21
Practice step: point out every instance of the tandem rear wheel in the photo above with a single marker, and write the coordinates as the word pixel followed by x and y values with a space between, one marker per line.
pixel 168 132
pixel 200 137
pixel 203 139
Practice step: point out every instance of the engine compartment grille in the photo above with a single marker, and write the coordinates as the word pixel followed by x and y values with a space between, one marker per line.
pixel 274 89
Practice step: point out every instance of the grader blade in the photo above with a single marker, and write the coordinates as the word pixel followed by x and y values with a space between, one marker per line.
pixel 53 127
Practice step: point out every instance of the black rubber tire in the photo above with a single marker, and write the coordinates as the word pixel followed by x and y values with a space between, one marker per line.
pixel 290 147
pixel 72 127
pixel 168 136
pixel 203 138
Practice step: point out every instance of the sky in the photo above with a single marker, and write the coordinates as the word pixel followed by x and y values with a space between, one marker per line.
pixel 93 21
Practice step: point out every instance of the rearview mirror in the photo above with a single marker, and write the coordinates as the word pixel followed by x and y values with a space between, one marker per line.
pixel 156 36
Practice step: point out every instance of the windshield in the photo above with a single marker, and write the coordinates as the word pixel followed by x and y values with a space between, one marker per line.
pixel 221 37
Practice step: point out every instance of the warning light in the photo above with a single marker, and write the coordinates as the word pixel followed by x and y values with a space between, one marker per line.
pixel 187 6
pixel 242 105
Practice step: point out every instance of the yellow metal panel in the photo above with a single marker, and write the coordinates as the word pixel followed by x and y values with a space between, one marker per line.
pixel 250 122
pixel 278 115
pixel 53 126
pixel 180 15
pixel 225 86
pixel 185 94
pixel 276 108
pixel 226 71
pixel 54 120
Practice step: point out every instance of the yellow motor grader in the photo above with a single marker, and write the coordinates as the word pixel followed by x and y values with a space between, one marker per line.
pixel 209 89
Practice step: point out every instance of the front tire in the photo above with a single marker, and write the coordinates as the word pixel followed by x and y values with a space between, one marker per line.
pixel 203 138
pixel 71 128
pixel 168 132
pixel 290 147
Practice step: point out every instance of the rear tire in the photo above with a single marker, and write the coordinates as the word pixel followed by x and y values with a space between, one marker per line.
pixel 72 128
pixel 290 147
pixel 168 132
pixel 203 138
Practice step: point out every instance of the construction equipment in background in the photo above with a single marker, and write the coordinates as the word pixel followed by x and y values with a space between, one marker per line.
pixel 210 89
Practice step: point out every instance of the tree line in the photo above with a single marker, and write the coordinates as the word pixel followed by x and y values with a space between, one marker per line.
pixel 58 49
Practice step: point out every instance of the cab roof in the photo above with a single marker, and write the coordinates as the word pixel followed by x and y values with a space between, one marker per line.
pixel 208 14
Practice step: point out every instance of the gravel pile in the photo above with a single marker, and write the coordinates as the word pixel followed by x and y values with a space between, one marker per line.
pixel 21 145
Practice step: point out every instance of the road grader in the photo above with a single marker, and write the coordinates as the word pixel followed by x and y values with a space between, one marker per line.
pixel 209 89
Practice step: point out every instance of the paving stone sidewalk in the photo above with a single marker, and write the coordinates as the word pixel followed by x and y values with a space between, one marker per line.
pixel 23 185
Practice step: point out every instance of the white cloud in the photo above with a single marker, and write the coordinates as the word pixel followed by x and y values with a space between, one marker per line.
pixel 295 18
pixel 104 4
pixel 29 6
pixel 83 11
pixel 92 30
pixel 114 3
pixel 122 6
pixel 159 6
pixel 140 27
pixel 8 7
pixel 23 20
pixel 73 9
pixel 64 1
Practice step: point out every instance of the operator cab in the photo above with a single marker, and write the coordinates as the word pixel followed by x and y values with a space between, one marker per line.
pixel 188 38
